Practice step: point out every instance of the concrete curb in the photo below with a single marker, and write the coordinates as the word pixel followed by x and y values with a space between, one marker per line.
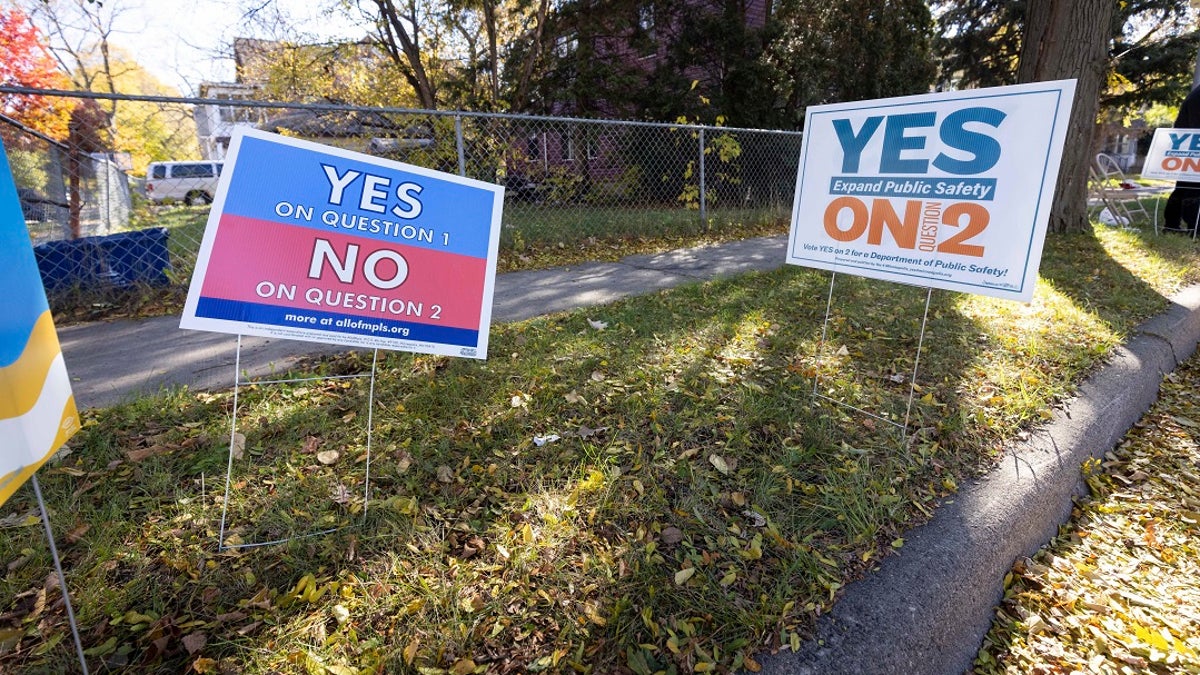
pixel 927 609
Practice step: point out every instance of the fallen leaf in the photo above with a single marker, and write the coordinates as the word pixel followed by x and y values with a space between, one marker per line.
pixel 340 495
pixel 410 651
pixel 239 445
pixel 310 445
pixel 682 576
pixel 194 642
pixel 144 453
pixel 597 376
pixel 340 614
pixel 204 665
pixel 843 351
pixel 719 462
pixel 671 535
pixel 542 440
pixel 587 432
pixel 404 460
pixel 445 474
pixel 463 667
pixel 328 457
pixel 472 603
pixel 756 519
pixel 574 397
pixel 76 534
pixel 598 325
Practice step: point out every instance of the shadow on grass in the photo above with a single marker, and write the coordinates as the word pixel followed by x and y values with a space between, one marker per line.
pixel 642 486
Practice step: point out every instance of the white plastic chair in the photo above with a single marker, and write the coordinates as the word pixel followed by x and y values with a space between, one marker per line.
pixel 1123 204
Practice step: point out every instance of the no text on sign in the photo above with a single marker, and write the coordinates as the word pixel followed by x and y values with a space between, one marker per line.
pixel 316 243
pixel 948 190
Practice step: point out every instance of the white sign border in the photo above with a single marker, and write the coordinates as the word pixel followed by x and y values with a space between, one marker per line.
pixel 1065 90
pixel 190 321
pixel 1160 144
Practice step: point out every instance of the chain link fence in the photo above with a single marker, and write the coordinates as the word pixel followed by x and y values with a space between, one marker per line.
pixel 571 184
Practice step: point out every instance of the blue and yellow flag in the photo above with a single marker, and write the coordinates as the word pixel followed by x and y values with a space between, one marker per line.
pixel 37 408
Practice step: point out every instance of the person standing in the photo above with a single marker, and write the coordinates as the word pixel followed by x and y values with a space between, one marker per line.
pixel 1177 218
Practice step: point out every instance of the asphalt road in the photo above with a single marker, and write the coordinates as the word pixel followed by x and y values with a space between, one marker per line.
pixel 117 360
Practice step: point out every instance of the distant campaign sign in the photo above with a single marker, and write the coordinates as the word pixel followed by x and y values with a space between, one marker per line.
pixel 949 190
pixel 1174 155
pixel 315 243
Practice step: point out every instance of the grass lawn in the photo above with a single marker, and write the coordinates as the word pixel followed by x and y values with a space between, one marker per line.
pixel 647 486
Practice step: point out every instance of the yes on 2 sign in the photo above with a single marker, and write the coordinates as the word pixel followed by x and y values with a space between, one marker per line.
pixel 947 190
pixel 1174 155
pixel 310 242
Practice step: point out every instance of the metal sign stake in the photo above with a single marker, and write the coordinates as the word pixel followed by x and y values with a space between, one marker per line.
pixel 62 579
pixel 237 382
pixel 912 389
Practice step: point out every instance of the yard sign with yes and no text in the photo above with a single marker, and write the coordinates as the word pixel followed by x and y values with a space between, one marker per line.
pixel 315 243
pixel 950 191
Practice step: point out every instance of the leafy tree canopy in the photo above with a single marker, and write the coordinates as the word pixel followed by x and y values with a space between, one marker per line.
pixel 1153 48
pixel 25 61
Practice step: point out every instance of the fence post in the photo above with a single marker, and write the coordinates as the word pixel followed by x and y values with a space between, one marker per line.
pixel 703 197
pixel 458 141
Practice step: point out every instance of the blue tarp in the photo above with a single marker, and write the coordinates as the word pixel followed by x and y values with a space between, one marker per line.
pixel 138 257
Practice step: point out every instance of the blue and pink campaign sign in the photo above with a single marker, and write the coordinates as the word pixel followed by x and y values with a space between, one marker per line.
pixel 310 242
pixel 948 190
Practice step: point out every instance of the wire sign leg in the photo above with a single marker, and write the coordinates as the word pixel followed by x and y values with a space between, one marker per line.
pixel 913 380
pixel 233 442
pixel 62 580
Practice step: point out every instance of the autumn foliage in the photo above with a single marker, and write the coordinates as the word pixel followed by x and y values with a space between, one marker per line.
pixel 25 61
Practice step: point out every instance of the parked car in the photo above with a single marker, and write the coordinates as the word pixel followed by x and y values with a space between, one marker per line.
pixel 188 182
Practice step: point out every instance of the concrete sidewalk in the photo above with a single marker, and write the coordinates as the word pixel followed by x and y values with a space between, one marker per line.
pixel 113 361
pixel 925 610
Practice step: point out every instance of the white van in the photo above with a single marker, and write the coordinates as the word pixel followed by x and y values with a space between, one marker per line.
pixel 188 182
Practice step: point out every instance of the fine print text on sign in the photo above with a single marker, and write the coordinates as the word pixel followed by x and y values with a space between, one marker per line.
pixel 948 190
pixel 1174 155
pixel 315 243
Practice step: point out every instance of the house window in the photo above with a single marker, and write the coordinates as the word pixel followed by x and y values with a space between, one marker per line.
pixel 571 149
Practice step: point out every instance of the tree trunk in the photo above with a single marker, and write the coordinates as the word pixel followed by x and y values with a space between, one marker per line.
pixel 1067 39
pixel 520 100
pixel 404 48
